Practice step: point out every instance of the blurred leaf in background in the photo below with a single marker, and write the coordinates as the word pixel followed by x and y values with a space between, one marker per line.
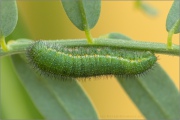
pixel 154 94
pixel 149 91
pixel 54 98
pixel 145 7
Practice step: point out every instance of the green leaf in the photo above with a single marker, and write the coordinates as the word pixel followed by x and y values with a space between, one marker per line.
pixel 1 111
pixel 148 9
pixel 20 31
pixel 16 103
pixel 84 14
pixel 154 94
pixel 8 16
pixel 173 17
pixel 55 99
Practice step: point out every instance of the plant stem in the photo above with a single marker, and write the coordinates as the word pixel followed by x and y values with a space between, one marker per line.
pixel 3 42
pixel 139 45
pixel 16 47
pixel 85 23
pixel 88 36
pixel 20 46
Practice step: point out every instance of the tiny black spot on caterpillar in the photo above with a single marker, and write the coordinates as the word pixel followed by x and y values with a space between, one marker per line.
pixel 78 61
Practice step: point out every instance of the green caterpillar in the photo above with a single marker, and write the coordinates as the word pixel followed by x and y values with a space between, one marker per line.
pixel 51 58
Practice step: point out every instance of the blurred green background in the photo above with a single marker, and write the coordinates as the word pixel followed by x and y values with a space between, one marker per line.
pixel 47 20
